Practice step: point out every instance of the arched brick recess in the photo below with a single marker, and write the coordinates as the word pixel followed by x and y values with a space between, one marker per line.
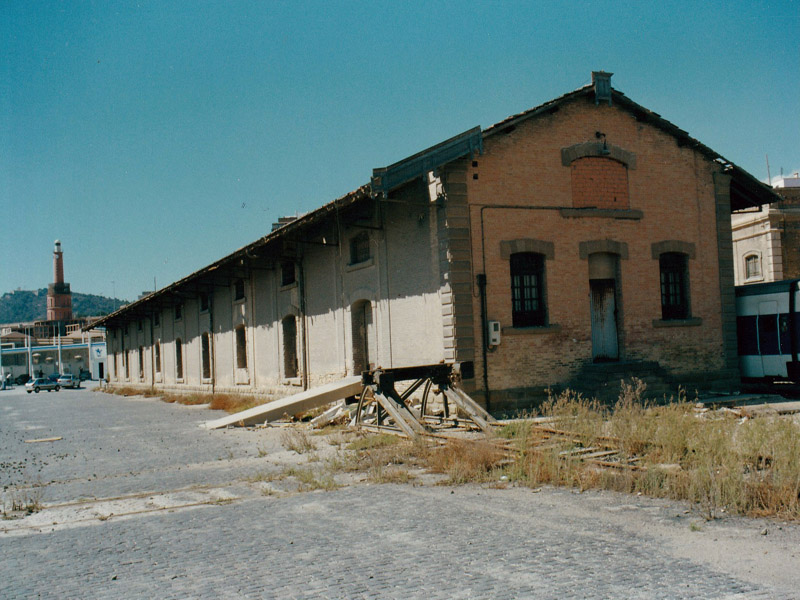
pixel 509 247
pixel 599 182
pixel 610 246
pixel 573 153
pixel 687 248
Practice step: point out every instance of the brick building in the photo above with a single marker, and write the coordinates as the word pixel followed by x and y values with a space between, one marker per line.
pixel 571 244
pixel 766 239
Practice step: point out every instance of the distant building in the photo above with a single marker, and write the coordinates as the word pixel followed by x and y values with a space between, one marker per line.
pixel 766 239
pixel 56 344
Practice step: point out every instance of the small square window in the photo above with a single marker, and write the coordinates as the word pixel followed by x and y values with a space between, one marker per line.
pixel 238 289
pixel 359 248
pixel 287 273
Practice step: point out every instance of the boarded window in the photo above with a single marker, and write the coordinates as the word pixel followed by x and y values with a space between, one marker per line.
pixel 290 346
pixel 752 266
pixel 359 248
pixel 527 290
pixel 238 289
pixel 205 344
pixel 287 273
pixel 241 347
pixel 179 358
pixel 674 285
pixel 158 357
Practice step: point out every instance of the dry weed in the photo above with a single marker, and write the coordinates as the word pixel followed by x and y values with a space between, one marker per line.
pixel 297 440
pixel 723 463
pixel 466 461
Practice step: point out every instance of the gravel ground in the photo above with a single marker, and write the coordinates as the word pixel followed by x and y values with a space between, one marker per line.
pixel 139 501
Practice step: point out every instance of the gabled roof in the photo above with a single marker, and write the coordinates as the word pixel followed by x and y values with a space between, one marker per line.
pixel 245 252
pixel 746 190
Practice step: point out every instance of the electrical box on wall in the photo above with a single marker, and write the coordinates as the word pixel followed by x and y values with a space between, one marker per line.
pixel 494 333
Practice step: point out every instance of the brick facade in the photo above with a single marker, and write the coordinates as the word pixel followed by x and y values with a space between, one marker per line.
pixel 526 189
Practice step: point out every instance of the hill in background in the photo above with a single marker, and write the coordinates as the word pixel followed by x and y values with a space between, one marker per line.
pixel 31 305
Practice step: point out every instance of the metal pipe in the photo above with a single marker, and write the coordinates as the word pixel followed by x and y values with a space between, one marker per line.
pixel 301 284
pixel 481 280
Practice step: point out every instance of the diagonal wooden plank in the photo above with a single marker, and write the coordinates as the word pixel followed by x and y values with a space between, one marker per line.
pixel 291 405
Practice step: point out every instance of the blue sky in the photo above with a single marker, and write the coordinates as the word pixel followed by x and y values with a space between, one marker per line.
pixel 152 138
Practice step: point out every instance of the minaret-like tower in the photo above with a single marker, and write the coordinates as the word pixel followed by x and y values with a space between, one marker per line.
pixel 59 296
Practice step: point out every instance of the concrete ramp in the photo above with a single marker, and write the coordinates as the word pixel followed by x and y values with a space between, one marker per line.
pixel 291 405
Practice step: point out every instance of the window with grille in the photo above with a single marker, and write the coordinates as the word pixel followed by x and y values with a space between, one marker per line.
pixel 674 285
pixel 527 290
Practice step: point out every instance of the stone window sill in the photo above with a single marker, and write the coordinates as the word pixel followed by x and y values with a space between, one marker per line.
pixel 179 380
pixel 287 287
pixel 296 381
pixel 691 322
pixel 360 265
pixel 552 328
pixel 603 213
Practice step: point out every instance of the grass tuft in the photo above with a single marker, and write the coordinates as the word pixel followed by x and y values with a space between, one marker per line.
pixel 297 440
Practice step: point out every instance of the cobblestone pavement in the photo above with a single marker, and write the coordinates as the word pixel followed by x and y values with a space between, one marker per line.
pixel 204 530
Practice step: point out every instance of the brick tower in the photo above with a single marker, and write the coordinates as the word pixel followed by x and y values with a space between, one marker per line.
pixel 59 297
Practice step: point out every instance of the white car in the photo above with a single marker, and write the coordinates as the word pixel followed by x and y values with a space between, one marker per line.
pixel 41 383
pixel 68 380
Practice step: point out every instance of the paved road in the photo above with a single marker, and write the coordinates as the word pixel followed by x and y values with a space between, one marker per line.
pixel 141 503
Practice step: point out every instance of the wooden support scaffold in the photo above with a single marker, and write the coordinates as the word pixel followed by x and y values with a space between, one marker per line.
pixel 382 407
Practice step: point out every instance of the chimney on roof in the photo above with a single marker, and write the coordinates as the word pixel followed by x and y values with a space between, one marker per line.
pixel 283 221
pixel 602 86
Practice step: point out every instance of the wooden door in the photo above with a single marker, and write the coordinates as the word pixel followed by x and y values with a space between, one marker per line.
pixel 605 345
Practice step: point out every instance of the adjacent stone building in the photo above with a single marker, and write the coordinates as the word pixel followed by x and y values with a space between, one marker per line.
pixel 766 239
pixel 582 240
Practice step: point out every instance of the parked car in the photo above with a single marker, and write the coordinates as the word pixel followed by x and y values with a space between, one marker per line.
pixel 68 380
pixel 41 383
pixel 54 376
pixel 24 378
pixel 85 375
